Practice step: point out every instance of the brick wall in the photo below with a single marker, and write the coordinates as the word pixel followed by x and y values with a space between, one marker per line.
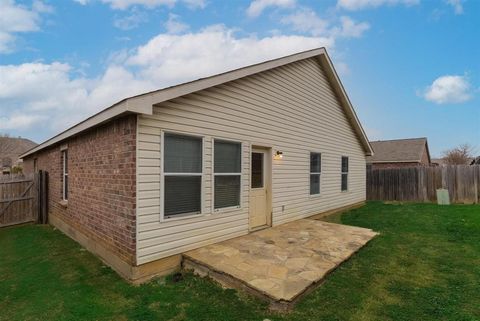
pixel 102 190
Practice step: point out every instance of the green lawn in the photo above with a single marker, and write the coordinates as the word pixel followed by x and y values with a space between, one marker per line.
pixel 425 265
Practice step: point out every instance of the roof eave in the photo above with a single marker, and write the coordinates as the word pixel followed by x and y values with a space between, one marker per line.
pixel 123 107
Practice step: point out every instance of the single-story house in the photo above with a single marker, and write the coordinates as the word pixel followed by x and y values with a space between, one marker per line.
pixel 161 173
pixel 399 153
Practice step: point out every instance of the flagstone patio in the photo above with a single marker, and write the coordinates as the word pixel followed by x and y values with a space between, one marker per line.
pixel 280 263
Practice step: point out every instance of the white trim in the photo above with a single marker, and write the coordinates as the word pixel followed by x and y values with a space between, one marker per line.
pixel 136 187
pixel 213 174
pixel 163 174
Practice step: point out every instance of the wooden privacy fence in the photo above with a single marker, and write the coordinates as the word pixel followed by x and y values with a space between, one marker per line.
pixel 419 184
pixel 23 199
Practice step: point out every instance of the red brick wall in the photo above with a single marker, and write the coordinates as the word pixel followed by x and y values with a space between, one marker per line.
pixel 101 200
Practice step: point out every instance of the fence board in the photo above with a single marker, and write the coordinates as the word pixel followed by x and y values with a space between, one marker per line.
pixel 18 196
pixel 419 184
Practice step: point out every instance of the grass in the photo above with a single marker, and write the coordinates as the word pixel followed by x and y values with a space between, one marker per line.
pixel 425 265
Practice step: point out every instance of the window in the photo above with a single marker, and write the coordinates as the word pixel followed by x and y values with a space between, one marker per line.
pixel 182 167
pixel 65 174
pixel 344 173
pixel 35 165
pixel 257 170
pixel 315 171
pixel 227 173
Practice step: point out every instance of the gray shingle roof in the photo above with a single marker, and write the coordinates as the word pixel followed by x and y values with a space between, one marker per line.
pixel 398 150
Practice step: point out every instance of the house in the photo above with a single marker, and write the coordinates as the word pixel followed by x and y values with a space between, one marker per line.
pixel 10 149
pixel 399 153
pixel 158 174
pixel 438 162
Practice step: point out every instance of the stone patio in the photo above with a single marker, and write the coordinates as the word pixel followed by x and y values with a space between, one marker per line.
pixel 280 263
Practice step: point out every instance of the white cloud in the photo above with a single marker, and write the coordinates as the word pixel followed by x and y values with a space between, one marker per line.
pixel 56 95
pixel 448 89
pixel 256 7
pixel 19 121
pixel 350 29
pixel 173 25
pixel 306 20
pixel 167 59
pixel 131 21
pixel 457 6
pixel 125 4
pixel 363 4
pixel 16 18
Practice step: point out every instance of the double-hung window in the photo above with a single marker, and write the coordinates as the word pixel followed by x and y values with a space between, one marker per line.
pixel 315 172
pixel 182 171
pixel 227 165
pixel 344 173
pixel 65 174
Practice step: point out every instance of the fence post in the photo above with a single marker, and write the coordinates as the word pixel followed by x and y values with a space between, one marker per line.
pixel 43 197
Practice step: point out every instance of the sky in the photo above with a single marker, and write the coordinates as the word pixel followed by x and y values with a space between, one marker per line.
pixel 410 67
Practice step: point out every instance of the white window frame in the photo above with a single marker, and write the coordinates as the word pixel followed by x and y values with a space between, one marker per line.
pixel 163 174
pixel 344 173
pixel 315 173
pixel 230 208
pixel 64 173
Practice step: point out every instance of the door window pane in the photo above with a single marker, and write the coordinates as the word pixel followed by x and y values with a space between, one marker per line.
pixel 182 195
pixel 257 170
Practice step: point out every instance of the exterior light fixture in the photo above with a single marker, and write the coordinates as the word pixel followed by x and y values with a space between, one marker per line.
pixel 278 155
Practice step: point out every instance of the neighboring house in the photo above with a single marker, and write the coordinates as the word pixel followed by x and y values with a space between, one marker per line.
pixel 10 149
pixel 475 161
pixel 399 153
pixel 438 162
pixel 172 170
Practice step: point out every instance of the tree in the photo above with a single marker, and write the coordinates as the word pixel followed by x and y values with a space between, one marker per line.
pixel 460 155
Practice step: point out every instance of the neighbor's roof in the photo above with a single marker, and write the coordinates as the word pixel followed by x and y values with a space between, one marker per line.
pixel 408 150
pixel 143 104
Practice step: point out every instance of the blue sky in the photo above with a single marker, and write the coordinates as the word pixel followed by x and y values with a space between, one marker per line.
pixel 410 67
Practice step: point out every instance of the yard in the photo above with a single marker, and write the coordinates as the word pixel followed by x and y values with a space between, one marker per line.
pixel 425 265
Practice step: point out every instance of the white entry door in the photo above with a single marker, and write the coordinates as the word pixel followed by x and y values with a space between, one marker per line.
pixel 259 189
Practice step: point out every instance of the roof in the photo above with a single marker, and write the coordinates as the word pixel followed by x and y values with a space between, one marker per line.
pixel 439 161
pixel 408 150
pixel 12 147
pixel 143 104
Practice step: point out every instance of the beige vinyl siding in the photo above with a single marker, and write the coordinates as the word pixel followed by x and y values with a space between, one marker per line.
pixel 292 109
